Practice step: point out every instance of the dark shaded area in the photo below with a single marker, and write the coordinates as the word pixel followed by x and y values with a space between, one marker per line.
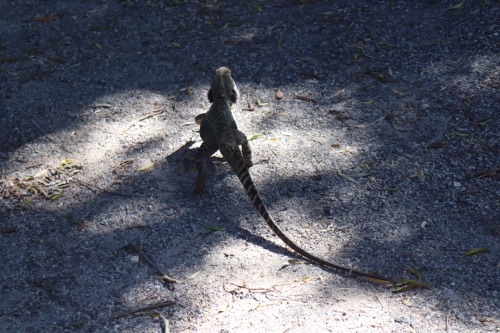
pixel 412 86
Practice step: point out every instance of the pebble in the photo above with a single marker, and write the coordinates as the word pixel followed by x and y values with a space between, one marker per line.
pixel 403 320
pixel 314 28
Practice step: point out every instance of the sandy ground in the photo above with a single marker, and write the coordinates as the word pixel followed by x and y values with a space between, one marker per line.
pixel 382 156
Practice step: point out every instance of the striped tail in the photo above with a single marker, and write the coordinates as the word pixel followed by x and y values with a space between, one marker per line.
pixel 235 160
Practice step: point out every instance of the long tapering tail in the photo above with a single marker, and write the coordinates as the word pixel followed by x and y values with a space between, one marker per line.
pixel 235 160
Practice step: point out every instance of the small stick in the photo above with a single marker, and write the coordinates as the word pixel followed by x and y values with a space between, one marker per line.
pixel 447 325
pixel 163 277
pixel 149 115
pixel 164 324
pixel 307 98
pixel 142 309
pixel 487 173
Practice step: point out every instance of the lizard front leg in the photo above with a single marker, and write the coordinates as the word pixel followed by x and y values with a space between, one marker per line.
pixel 199 118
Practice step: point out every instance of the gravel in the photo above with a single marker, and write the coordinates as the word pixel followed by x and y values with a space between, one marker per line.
pixel 387 160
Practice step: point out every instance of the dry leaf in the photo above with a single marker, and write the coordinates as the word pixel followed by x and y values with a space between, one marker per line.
pixel 407 302
pixel 224 27
pixel 437 144
pixel 212 227
pixel 259 102
pixel 296 261
pixel 368 102
pixel 223 308
pixel 194 275
pixel 145 167
pixel 415 271
pixel 56 196
pixel 457 6
pixel 476 251
pixel 338 93
pixel 421 176
pixel 346 177
pixel 253 137
pixel 262 305
pixel 102 105
pixel 459 134
pixel 307 279
pixel 398 92
pixel 45 18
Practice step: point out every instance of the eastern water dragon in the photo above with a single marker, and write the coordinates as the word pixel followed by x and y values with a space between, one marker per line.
pixel 220 132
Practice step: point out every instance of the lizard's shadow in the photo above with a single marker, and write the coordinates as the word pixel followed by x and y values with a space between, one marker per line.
pixel 260 241
pixel 185 159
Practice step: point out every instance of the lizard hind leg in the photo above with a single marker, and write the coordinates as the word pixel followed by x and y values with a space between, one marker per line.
pixel 246 151
pixel 247 154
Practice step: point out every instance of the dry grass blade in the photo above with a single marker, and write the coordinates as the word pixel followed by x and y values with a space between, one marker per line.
pixel 457 6
pixel 212 227
pixel 253 137
pixel 346 177
pixel 476 251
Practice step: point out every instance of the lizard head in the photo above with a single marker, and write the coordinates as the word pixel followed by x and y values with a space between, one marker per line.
pixel 223 86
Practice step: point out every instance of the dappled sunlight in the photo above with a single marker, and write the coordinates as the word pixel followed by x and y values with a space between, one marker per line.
pixel 379 155
pixel 483 67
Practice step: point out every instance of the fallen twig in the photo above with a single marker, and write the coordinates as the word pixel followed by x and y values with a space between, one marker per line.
pixel 307 98
pixel 164 324
pixel 164 277
pixel 149 115
pixel 486 173
pixel 142 309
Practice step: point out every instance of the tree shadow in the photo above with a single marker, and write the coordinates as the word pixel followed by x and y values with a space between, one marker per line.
pixel 96 68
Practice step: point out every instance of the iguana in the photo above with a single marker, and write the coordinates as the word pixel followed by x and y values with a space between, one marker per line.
pixel 219 132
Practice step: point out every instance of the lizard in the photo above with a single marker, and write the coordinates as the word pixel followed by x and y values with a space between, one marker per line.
pixel 219 132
